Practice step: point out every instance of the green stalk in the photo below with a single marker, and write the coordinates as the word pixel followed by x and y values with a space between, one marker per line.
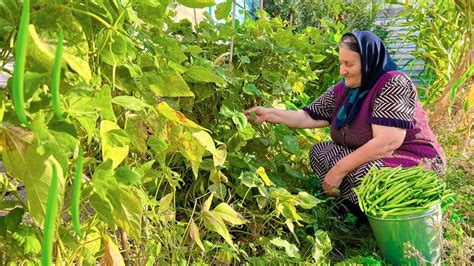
pixel 76 193
pixel 50 220
pixel 20 60
pixel 57 76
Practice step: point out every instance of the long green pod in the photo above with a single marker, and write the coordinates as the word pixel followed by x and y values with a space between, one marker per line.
pixel 76 193
pixel 50 220
pixel 56 76
pixel 20 60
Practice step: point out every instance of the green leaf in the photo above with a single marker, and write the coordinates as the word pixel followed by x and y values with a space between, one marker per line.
pixel 193 49
pixel 224 211
pixel 158 146
pixel 223 9
pixel 202 74
pixel 194 234
pixel 290 249
pixel 197 3
pixel 168 84
pixel 283 38
pixel 291 144
pixel 240 120
pixel 130 102
pixel 127 176
pixel 13 219
pixel 165 202
pixel 114 142
pixel 251 89
pixel 216 224
pixel 322 245
pixel 103 103
pixel 319 58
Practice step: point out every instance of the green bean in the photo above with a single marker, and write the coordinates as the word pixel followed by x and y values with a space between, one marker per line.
pixel 57 76
pixel 19 69
pixel 76 193
pixel 50 219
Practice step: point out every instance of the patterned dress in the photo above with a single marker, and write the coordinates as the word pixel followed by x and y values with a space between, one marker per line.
pixel 393 101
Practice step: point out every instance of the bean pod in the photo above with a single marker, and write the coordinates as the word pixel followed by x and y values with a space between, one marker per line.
pixel 50 220
pixel 56 76
pixel 19 69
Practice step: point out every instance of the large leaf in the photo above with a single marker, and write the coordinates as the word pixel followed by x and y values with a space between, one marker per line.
pixel 219 155
pixel 115 204
pixel 175 116
pixel 114 142
pixel 291 144
pixel 223 9
pixel 103 103
pixel 224 211
pixel 169 84
pixel 23 162
pixel 130 102
pixel 290 249
pixel 192 150
pixel 75 49
pixel 197 3
pixel 202 74
pixel 216 224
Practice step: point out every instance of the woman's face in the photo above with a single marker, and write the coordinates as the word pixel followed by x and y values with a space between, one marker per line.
pixel 350 67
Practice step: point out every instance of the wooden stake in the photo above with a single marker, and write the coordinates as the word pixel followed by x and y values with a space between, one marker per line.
pixel 231 51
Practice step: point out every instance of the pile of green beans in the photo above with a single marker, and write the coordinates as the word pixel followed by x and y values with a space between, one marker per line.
pixel 400 191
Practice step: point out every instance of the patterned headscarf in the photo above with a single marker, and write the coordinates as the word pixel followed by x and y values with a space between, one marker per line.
pixel 375 61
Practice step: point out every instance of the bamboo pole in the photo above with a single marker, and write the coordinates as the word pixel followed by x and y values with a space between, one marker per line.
pixel 261 8
pixel 231 50
pixel 245 9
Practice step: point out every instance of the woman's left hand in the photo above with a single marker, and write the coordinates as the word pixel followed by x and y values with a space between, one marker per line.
pixel 332 181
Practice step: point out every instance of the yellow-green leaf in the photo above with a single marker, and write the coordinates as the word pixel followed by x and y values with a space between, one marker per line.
pixel 207 204
pixel 197 3
pixel 44 54
pixel 224 211
pixel 175 116
pixel 261 172
pixel 169 84
pixel 290 249
pixel 114 142
pixel 202 74
pixel 307 201
pixel 206 140
pixel 216 224
pixel 220 155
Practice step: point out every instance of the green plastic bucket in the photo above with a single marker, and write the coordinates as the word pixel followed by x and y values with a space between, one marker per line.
pixel 421 231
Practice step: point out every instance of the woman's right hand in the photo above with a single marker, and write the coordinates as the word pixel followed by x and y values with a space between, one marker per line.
pixel 258 114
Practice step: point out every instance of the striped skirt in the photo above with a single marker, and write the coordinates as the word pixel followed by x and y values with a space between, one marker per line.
pixel 324 155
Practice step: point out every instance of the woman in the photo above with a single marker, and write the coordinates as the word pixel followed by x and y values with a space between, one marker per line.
pixel 375 117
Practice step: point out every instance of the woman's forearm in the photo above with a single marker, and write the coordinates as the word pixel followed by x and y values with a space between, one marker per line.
pixel 373 150
pixel 295 119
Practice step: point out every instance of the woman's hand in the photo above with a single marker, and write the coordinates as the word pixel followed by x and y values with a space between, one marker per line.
pixel 332 181
pixel 258 114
